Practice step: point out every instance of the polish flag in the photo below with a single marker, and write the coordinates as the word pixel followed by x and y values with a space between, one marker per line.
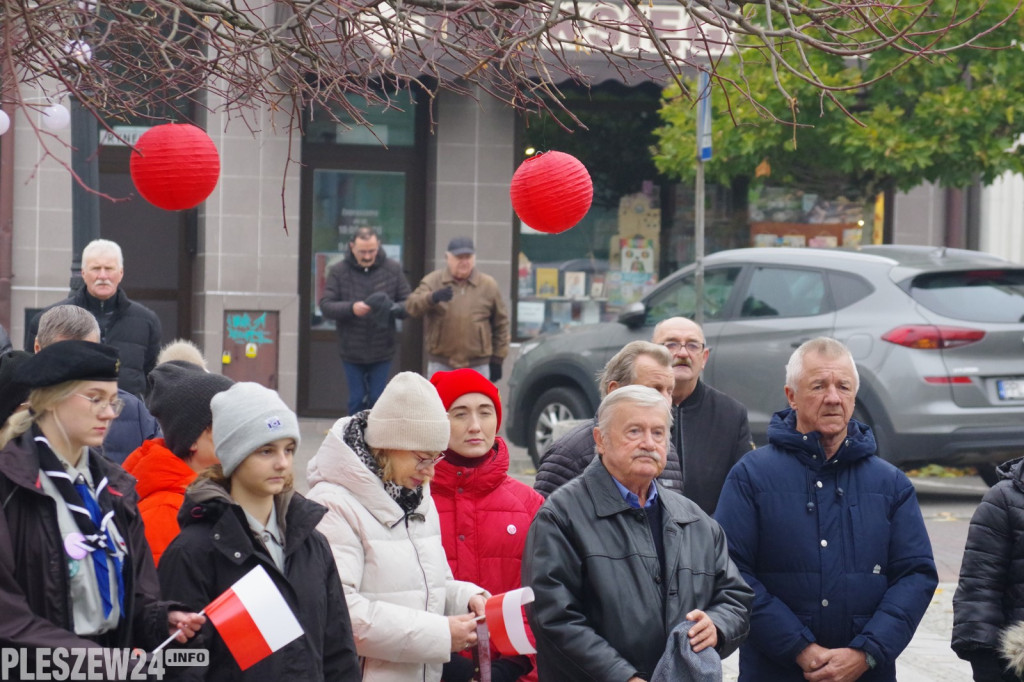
pixel 253 618
pixel 504 613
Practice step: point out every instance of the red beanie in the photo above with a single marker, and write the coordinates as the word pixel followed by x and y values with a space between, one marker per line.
pixel 453 385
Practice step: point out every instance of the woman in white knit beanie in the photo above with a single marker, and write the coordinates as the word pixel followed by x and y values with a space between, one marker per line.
pixel 372 472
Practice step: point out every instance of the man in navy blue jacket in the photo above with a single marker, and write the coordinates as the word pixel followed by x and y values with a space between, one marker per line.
pixel 828 535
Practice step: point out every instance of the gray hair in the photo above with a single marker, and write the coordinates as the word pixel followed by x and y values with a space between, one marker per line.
pixel 639 396
pixel 66 322
pixel 826 347
pixel 622 367
pixel 100 246
pixel 364 232
pixel 182 350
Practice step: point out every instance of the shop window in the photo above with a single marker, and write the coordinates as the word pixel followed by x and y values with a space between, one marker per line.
pixel 639 228
pixel 393 126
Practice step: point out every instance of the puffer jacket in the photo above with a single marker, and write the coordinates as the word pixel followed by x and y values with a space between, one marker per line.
pixel 216 547
pixel 132 427
pixel 989 598
pixel 362 339
pixel 161 479
pixel 472 328
pixel 835 549
pixel 35 601
pixel 567 457
pixel 604 605
pixel 485 515
pixel 397 582
pixel 130 327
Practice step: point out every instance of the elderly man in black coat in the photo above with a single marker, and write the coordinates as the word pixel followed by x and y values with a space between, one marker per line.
pixel 616 562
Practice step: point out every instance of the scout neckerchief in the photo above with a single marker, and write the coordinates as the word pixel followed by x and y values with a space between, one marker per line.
pixel 94 514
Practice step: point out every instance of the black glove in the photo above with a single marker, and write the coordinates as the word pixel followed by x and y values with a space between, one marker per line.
pixel 495 371
pixel 442 295
pixel 398 312
pixel 510 668
pixel 458 669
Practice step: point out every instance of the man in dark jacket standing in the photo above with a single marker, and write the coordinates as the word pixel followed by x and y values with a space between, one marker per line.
pixel 129 326
pixel 830 536
pixel 363 295
pixel 710 430
pixel 616 563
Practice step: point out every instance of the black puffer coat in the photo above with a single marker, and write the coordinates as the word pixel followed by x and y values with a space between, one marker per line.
pixel 216 547
pixel 363 339
pixel 568 456
pixel 130 327
pixel 990 595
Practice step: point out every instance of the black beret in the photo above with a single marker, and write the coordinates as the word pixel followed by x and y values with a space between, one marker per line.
pixel 69 361
pixel 12 393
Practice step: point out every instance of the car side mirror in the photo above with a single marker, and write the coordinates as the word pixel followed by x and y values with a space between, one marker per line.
pixel 633 315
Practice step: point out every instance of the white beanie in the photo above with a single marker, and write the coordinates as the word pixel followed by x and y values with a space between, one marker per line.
pixel 408 415
pixel 246 416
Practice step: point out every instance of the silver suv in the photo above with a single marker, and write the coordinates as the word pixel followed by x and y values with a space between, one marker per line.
pixel 937 334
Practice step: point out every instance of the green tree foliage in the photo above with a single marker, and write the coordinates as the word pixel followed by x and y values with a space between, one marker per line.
pixel 948 119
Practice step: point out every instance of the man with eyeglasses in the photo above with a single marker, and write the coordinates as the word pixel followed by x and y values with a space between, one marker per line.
pixel 134 424
pixel 710 430
pixel 364 295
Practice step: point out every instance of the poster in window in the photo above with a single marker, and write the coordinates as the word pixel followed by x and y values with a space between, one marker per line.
pixel 575 284
pixel 637 255
pixel 547 282
pixel 322 262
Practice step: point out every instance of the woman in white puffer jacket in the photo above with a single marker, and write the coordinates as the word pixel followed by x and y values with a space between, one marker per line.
pixel 372 473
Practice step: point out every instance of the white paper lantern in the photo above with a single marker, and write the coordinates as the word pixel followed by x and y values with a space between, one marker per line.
pixel 5 122
pixel 56 117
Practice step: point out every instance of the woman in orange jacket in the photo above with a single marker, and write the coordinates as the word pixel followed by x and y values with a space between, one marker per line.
pixel 179 397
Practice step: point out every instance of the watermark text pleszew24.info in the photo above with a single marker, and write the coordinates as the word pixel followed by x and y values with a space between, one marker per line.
pixel 58 664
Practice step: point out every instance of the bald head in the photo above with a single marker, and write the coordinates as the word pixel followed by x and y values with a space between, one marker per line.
pixel 685 341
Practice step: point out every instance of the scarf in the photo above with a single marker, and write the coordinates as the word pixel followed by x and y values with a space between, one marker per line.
pixel 408 500
pixel 94 514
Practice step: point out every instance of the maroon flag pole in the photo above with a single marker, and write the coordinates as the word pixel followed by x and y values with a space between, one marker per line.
pixel 483 652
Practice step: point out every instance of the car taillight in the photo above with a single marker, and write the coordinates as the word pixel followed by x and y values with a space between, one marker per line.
pixel 932 337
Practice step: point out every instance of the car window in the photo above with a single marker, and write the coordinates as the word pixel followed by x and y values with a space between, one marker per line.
pixel 784 292
pixel 973 295
pixel 678 298
pixel 848 288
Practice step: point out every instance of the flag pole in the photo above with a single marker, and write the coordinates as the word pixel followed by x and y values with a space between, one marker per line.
pixel 176 633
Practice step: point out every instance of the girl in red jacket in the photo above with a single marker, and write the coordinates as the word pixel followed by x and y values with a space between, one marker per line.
pixel 485 513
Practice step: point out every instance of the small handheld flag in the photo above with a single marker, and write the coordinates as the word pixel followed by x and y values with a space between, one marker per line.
pixel 253 618
pixel 504 614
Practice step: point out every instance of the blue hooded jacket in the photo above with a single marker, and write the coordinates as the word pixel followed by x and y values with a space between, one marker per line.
pixel 836 550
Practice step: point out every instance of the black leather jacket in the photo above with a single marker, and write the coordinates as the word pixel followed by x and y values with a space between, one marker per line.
pixel 604 608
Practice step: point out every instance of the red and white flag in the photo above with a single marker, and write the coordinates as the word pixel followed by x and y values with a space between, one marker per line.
pixel 505 622
pixel 253 618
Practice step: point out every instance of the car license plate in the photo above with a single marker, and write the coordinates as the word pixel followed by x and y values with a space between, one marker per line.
pixel 1010 389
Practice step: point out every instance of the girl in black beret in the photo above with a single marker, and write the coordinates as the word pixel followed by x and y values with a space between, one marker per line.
pixel 75 569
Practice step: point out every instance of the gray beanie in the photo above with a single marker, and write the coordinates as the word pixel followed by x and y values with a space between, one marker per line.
pixel 245 417
pixel 179 397
pixel 408 415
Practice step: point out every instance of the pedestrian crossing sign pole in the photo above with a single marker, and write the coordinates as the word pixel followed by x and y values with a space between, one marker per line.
pixel 703 154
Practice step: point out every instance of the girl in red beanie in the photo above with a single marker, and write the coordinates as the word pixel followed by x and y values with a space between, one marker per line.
pixel 485 513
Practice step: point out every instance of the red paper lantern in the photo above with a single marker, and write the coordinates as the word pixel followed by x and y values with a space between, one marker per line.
pixel 175 166
pixel 551 191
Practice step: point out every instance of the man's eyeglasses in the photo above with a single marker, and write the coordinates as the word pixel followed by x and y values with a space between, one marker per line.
pixel 424 461
pixel 99 404
pixel 691 347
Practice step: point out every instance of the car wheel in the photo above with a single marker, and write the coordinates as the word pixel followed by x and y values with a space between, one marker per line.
pixel 554 405
pixel 988 473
